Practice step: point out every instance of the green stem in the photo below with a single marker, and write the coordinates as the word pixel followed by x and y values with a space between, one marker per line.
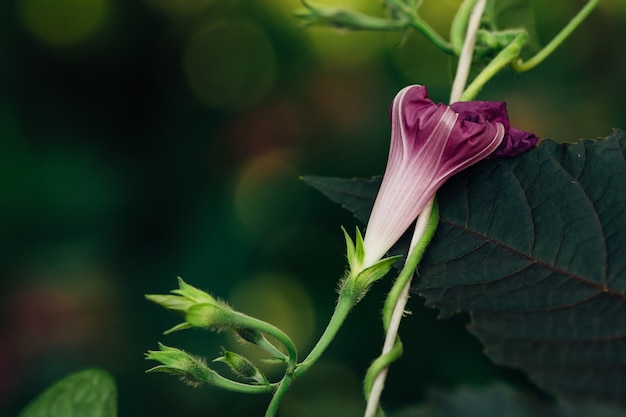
pixel 504 58
pixel 344 305
pixel 267 346
pixel 292 358
pixel 425 29
pixel 262 326
pixel 410 266
pixel 459 25
pixel 381 364
pixel 219 381
pixel 284 385
pixel 557 40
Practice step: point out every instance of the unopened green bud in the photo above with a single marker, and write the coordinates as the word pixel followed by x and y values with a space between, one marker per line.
pixel 197 307
pixel 242 367
pixel 249 335
pixel 190 369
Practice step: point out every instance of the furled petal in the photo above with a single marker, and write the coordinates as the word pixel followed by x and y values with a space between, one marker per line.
pixel 430 143
pixel 515 141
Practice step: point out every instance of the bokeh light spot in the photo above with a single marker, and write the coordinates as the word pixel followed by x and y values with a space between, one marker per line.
pixel 282 301
pixel 347 48
pixel 267 196
pixel 63 22
pixel 230 65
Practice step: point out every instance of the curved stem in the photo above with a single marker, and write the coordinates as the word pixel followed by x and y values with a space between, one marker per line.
pixel 459 24
pixel 424 231
pixel 381 366
pixel 557 40
pixel 230 385
pixel 425 29
pixel 292 358
pixel 284 385
pixel 344 305
pixel 262 326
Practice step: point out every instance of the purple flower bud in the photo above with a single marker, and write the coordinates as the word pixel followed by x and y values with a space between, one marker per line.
pixel 430 143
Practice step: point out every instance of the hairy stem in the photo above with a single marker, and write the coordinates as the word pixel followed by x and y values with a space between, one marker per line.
pixel 283 386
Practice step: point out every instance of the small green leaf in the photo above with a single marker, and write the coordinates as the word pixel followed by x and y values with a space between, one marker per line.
pixel 87 393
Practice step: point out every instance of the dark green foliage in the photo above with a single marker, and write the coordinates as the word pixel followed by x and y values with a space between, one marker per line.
pixel 502 401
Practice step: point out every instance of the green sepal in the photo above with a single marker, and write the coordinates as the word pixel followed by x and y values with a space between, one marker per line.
pixel 210 316
pixel 358 280
pixel 355 253
pixel 357 284
pixel 375 272
pixel 182 326
pixel 372 274
pixel 192 293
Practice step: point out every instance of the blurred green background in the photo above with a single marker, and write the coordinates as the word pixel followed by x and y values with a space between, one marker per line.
pixel 142 140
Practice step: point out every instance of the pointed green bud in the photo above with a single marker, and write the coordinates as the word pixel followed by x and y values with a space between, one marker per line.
pixel 184 297
pixel 197 307
pixel 242 367
pixel 174 303
pixel 174 361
